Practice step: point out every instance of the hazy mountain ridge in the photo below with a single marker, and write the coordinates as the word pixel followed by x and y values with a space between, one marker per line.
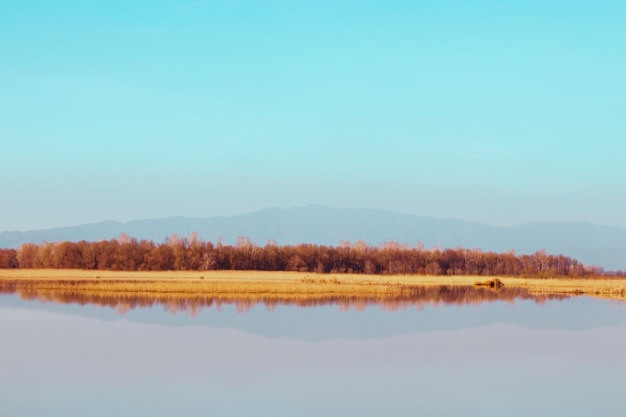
pixel 589 243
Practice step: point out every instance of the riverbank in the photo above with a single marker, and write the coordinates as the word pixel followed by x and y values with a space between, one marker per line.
pixel 279 285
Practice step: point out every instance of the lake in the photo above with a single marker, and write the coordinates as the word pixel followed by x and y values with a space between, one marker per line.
pixel 473 352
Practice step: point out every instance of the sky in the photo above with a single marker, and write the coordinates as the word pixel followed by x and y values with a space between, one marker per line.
pixel 502 112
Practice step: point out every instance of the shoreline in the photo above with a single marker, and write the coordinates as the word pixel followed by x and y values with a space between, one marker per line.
pixel 280 285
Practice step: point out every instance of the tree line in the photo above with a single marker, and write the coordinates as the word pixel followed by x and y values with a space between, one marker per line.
pixel 192 253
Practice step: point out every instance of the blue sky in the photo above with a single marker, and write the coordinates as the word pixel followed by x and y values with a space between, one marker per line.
pixel 498 112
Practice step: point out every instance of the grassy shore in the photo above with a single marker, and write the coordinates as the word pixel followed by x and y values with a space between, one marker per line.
pixel 281 285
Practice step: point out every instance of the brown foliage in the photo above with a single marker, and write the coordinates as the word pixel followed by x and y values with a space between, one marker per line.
pixel 8 259
pixel 193 253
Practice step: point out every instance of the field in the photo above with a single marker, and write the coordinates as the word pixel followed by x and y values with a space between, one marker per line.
pixel 256 286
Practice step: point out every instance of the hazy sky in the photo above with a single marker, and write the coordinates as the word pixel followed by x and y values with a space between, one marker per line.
pixel 500 112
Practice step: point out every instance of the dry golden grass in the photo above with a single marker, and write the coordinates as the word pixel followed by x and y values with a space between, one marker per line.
pixel 191 294
pixel 594 287
pixel 281 285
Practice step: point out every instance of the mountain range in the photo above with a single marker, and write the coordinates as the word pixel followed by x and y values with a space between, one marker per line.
pixel 589 243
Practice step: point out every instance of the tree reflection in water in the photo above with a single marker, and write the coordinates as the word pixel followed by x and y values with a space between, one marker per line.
pixel 409 297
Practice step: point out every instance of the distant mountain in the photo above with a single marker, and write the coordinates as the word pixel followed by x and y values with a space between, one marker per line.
pixel 591 244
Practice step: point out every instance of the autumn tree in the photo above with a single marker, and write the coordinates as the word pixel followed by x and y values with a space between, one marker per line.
pixel 8 259
pixel 193 253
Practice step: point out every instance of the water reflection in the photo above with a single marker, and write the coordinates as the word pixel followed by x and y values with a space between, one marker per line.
pixel 467 351
pixel 491 359
pixel 190 303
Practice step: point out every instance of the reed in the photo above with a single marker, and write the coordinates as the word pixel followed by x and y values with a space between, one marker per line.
pixel 281 285
pixel 398 296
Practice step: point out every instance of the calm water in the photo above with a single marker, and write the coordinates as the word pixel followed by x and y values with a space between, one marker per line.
pixel 444 355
